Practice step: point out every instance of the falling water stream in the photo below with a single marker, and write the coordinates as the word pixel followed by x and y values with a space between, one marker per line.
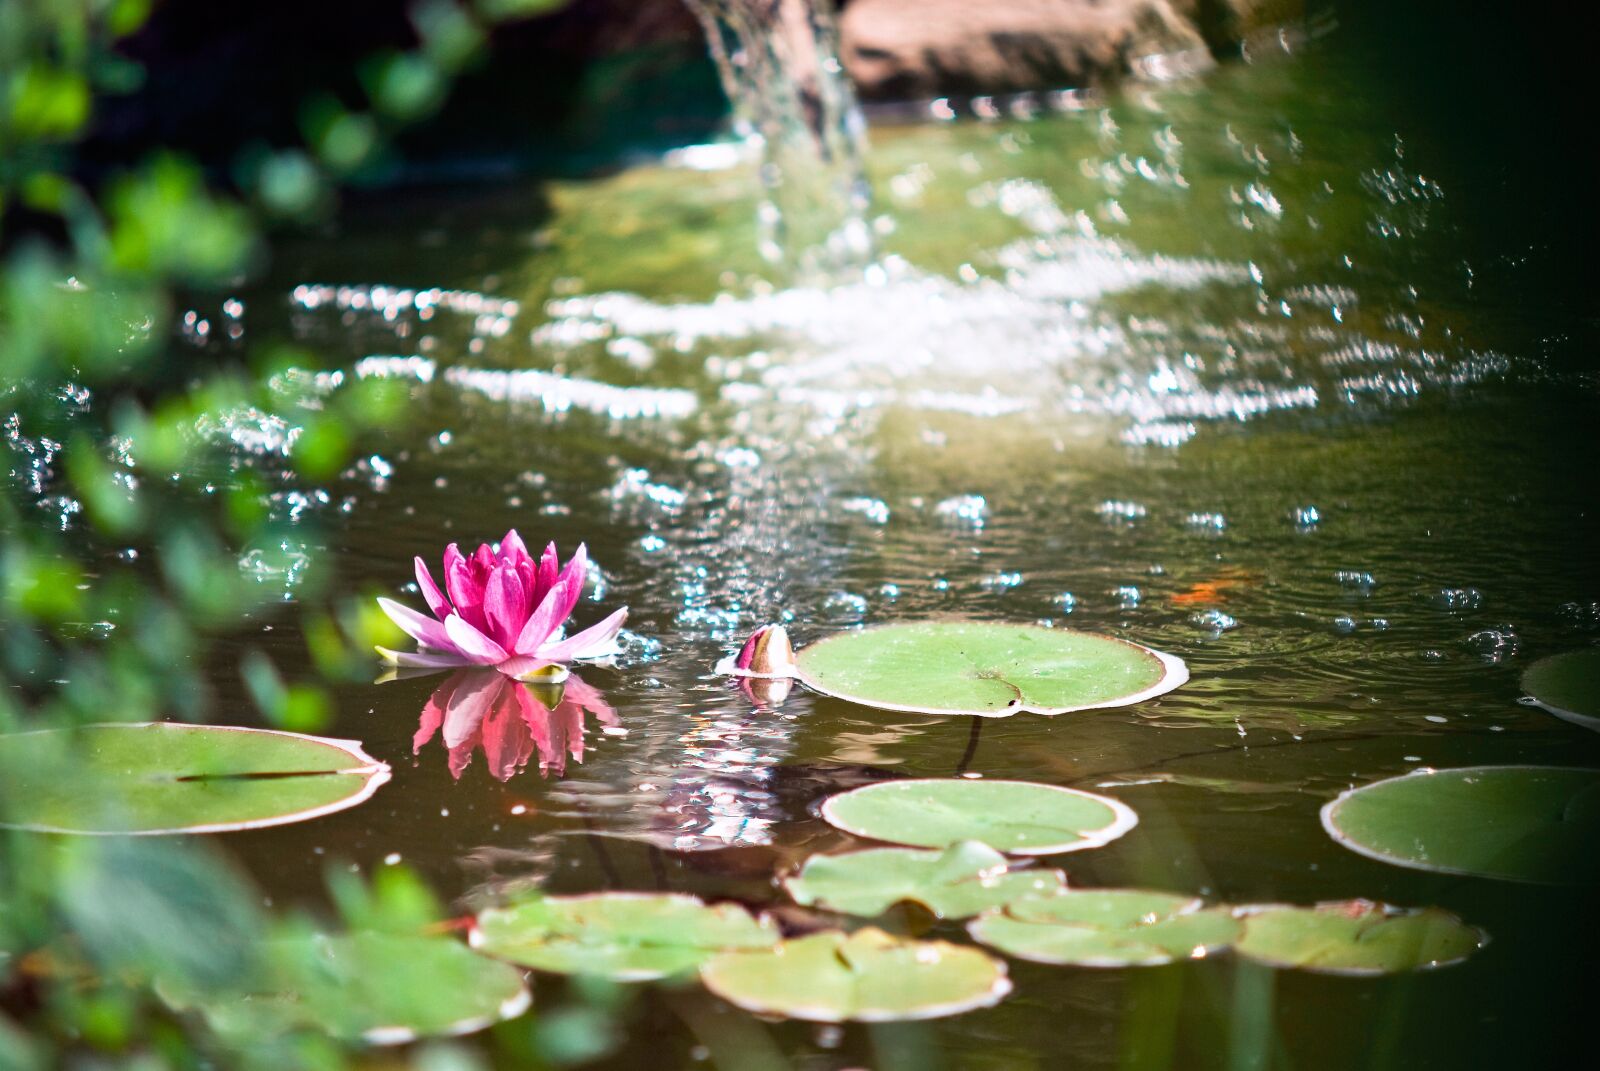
pixel 779 64
pixel 1240 367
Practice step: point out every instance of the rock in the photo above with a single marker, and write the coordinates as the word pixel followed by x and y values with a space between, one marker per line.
pixel 916 49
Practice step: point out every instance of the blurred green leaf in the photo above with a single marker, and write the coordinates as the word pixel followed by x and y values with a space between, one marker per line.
pixel 42 587
pixel 450 36
pixel 125 16
pixel 246 505
pixel 374 403
pixel 18 1052
pixel 576 1034
pixel 46 191
pixel 205 576
pixel 322 448
pixel 164 222
pixel 306 709
pixel 510 10
pixel 106 492
pixel 49 317
pixel 404 85
pixel 104 1017
pixel 47 102
pixel 291 185
pixel 395 900
pixel 343 140
pixel 158 908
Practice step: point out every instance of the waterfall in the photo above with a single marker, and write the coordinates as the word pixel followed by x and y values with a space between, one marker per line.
pixel 779 63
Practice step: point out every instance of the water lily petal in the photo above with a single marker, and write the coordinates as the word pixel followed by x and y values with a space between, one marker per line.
pixel 536 716
pixel 425 630
pixel 437 603
pixel 460 756
pixel 507 742
pixel 457 575
pixel 483 563
pixel 549 566
pixel 533 670
pixel 472 643
pixel 566 734
pixel 512 550
pixel 593 642
pixel 544 621
pixel 472 699
pixel 466 591
pixel 570 583
pixel 433 712
pixel 505 605
pixel 587 697
pixel 424 659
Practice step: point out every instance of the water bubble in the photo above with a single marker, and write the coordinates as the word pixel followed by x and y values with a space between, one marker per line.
pixel 1126 597
pixel 1456 600
pixel 968 510
pixel 844 607
pixel 1207 523
pixel 652 543
pixel 1000 583
pixel 1067 602
pixel 1116 511
pixel 1213 621
pixel 1355 580
pixel 739 458
pixel 1305 518
pixel 890 592
pixel 1582 616
pixel 873 509
pixel 1493 645
pixel 283 564
pixel 634 485
pixel 1168 433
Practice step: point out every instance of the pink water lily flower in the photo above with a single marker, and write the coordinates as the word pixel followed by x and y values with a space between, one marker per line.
pixel 504 610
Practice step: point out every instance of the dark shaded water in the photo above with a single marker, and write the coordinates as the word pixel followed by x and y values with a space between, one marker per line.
pixel 1252 370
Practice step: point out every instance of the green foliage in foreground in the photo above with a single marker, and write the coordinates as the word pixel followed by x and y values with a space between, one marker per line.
pixel 125 515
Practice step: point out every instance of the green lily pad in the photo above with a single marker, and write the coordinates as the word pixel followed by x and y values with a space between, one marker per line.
pixel 1107 928
pixel 1568 686
pixel 991 670
pixel 629 937
pixel 162 777
pixel 1517 823
pixel 1016 817
pixel 960 881
pixel 867 976
pixel 1356 937
pixel 380 988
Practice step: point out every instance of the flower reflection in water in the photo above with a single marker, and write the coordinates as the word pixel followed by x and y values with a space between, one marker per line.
pixel 511 721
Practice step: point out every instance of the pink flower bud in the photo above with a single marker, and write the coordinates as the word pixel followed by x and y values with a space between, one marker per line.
pixel 767 653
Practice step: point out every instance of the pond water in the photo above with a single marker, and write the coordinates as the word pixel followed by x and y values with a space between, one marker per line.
pixel 1267 369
